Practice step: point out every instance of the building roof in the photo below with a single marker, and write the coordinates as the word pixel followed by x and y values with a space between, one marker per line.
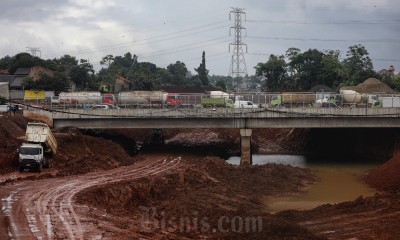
pixel 17 82
pixel 7 78
pixel 22 71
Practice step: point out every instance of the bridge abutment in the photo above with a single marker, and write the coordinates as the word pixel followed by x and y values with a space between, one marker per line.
pixel 245 147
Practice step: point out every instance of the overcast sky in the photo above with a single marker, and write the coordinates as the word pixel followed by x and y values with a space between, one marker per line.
pixel 166 31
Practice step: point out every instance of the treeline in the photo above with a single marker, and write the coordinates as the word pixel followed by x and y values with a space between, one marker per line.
pixel 295 70
pixel 300 71
pixel 140 75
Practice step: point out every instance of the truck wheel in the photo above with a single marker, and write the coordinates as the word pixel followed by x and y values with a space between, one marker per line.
pixel 21 169
pixel 40 168
pixel 46 163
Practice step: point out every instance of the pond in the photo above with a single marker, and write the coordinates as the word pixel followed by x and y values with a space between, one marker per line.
pixel 339 181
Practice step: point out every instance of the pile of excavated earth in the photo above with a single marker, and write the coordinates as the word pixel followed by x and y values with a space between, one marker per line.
pixel 203 197
pixel 371 85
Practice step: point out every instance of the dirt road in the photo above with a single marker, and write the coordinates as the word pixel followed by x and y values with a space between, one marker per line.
pixel 45 209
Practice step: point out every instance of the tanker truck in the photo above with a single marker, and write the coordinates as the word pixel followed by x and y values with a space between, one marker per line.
pixel 147 99
pixel 84 98
pixel 40 144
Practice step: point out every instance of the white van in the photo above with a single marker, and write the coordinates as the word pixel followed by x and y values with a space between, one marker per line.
pixel 245 104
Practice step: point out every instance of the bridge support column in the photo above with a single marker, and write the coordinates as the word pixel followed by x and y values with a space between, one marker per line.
pixel 245 147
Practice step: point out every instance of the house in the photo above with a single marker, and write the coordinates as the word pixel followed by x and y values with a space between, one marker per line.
pixel 33 72
pixel 388 73
pixel 16 81
pixel 14 85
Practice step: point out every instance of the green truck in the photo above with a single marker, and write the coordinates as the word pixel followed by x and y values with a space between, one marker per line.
pixel 217 102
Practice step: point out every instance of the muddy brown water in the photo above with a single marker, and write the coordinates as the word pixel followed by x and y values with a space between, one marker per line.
pixel 338 182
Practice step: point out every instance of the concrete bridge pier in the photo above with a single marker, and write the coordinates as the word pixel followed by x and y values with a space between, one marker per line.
pixel 245 147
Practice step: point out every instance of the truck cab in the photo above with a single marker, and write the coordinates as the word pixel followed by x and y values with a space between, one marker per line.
pixel 40 143
pixel 174 99
pixel 31 156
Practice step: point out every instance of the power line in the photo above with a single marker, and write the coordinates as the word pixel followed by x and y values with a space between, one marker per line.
pixel 328 40
pixel 373 59
pixel 345 22
pixel 154 38
pixel 183 48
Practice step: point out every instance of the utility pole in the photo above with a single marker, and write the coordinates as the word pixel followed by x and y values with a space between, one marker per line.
pixel 33 51
pixel 238 63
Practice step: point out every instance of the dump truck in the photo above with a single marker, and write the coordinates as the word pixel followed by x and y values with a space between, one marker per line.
pixel 217 102
pixel 40 145
pixel 294 99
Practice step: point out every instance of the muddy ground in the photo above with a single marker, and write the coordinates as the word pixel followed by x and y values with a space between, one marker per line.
pixel 200 197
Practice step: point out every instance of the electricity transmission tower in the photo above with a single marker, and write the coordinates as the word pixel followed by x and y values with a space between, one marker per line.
pixel 34 51
pixel 238 63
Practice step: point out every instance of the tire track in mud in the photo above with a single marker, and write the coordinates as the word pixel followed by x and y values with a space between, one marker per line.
pixel 350 226
pixel 45 209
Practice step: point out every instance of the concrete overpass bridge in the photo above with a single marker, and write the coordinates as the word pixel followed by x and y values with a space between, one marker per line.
pixel 243 119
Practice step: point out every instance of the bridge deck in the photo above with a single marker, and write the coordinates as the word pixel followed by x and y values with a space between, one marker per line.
pixel 224 118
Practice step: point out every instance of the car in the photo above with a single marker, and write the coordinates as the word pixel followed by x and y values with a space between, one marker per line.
pixel 245 104
pixel 55 100
pixel 104 106
pixel 101 106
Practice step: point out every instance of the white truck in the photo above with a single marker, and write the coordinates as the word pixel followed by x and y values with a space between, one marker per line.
pixel 40 144
pixel 241 103
pixel 245 104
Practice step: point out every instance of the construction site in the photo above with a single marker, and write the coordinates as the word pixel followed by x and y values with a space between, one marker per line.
pixel 119 184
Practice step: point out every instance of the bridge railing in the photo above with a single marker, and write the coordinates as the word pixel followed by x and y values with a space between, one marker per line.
pixel 266 105
pixel 226 113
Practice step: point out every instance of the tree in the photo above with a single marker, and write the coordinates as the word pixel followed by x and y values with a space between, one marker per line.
pixel 221 84
pixel 65 63
pixel 108 75
pixel 6 62
pixel 126 62
pixel 274 71
pixel 291 54
pixel 29 84
pixel 58 83
pixel 107 60
pixel 177 73
pixel 24 60
pixel 332 72
pixel 220 81
pixel 357 64
pixel 307 68
pixel 82 75
pixel 202 71
pixel 144 76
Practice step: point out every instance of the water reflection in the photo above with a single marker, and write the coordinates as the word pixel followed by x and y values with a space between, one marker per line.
pixel 339 181
pixel 293 160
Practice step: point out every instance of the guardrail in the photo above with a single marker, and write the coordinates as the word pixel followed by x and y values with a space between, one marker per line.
pixel 268 105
